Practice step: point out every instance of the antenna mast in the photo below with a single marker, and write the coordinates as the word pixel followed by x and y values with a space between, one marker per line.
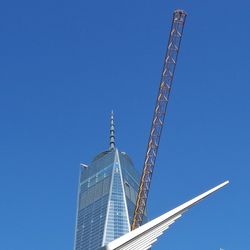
pixel 112 132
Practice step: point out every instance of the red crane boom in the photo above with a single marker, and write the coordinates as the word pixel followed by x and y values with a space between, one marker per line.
pixel 170 60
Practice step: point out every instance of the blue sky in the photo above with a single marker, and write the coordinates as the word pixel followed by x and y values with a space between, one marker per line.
pixel 66 64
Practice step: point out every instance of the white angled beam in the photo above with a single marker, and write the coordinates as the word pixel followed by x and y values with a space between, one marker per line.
pixel 143 237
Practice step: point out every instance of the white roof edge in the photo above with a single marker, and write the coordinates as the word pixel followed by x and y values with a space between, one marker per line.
pixel 149 228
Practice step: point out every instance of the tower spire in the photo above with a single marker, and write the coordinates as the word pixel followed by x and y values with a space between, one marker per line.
pixel 112 132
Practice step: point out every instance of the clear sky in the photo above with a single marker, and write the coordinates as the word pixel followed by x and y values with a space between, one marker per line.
pixel 64 65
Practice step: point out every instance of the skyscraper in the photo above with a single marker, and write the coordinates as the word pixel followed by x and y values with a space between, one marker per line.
pixel 106 197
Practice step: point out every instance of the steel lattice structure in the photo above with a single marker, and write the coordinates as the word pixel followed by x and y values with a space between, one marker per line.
pixel 170 60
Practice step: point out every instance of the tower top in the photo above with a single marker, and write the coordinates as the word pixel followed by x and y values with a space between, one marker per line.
pixel 112 132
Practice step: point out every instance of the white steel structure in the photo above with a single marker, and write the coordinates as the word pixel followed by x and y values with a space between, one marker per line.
pixel 143 237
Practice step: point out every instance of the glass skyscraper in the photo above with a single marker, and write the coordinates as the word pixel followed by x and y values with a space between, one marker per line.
pixel 106 198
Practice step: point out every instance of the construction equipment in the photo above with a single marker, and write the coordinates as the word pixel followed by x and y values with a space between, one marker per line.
pixel 170 60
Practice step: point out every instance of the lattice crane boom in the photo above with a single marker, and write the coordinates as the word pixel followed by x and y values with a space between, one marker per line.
pixel 170 60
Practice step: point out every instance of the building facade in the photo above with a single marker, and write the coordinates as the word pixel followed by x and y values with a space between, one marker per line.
pixel 106 198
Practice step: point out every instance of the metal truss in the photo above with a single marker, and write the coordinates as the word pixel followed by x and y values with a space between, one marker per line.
pixel 170 60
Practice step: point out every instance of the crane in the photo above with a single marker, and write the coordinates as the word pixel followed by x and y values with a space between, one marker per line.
pixel 178 22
